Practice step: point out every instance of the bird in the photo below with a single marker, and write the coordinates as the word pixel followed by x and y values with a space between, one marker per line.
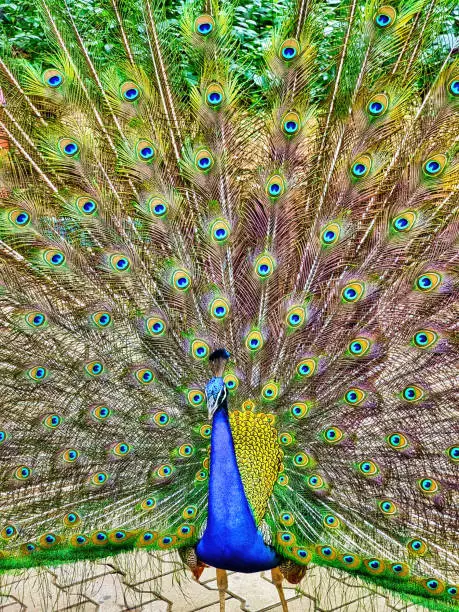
pixel 228 295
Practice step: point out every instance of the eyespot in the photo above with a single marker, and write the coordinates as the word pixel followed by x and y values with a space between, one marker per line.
pixel 306 367
pixel 368 468
pixel 429 486
pixel 121 449
pixel 22 472
pixel 204 160
pixel 270 391
pixel 428 282
pixel 315 481
pixel 86 206
pixel 35 319
pixel 404 222
pixel 204 25
pixel 412 393
pixel 155 326
pixel 167 541
pixel 52 421
pixel 453 591
pixel 202 475
pixel 148 504
pixel 157 207
pixel 286 519
pixel 195 397
pixel 220 231
pixel 289 50
pixel 355 396
pixel 361 166
pixel 350 561
pixel 186 450
pixel 326 552
pixel 185 531
pixel 161 419
pixel 433 585
pixel 285 439
pixel 19 217
pixel 28 548
pixel 120 263
pixel 254 341
pixel 147 538
pixel 401 570
pixel 375 566
pixel 101 412
pixel 330 234
pixel 118 536
pixel 453 453
pixel 199 349
pixel 9 532
pixel 282 480
pixel 101 319
pixel 397 441
pixel 205 431
pixel 417 547
pixel 4 435
pixel 54 257
pixel 435 165
pixel 69 147
pixel 70 455
pixel 219 309
pixel 231 381
pixel 302 555
pixel 291 123
pixel 332 435
pixel 301 460
pixel 181 280
pixel 331 522
pixel 72 519
pixel 48 540
pixel 190 512
pixel 145 376
pixel 100 538
pixel 285 538
pixel 385 17
pixel 37 373
pixel 214 95
pixel 79 540
pixel 378 105
pixel 53 78
pixel 425 338
pixel 275 187
pixel 264 266
pixel 130 91
pixel 296 316
pixel 387 507
pixel 352 292
pixel 94 368
pixel 359 347
pixel 299 410
pixel 164 471
pixel 453 87
pixel 145 151
pixel 99 478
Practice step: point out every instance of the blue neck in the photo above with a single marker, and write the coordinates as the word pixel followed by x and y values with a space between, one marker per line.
pixel 231 540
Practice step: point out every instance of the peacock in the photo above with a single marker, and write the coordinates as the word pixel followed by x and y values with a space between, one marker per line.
pixel 229 298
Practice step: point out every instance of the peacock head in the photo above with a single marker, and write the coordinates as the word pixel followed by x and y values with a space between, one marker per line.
pixel 218 360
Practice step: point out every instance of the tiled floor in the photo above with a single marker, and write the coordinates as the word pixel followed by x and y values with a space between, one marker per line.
pixel 148 583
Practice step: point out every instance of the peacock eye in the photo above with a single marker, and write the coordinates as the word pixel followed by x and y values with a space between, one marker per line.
pixel 428 281
pixel 157 207
pixel 332 435
pixel 35 319
pixel 54 257
pixel 144 376
pixel 53 78
pixel 121 449
pixel 94 368
pixel 69 147
pixel 429 486
pixel 354 396
pixel 219 308
pixel 38 373
pixel 120 263
pixel 231 381
pixel 101 413
pixel 359 347
pixel 306 367
pixel 19 217
pixel 453 87
pixel 331 522
pixel 299 410
pixel 275 186
pixel 264 266
pixel 296 316
pixel 161 419
pixel 145 151
pixel 425 338
pixel 361 166
pixel 289 50
pixel 204 25
pixel 270 391
pixel 378 105
pixel 199 349
pixel 368 468
pixel 101 319
pixel 387 507
pixel 155 326
pixel 353 292
pixel 254 341
pixel 130 91
pixel 291 123
pixel 148 504
pixel 397 441
pixel 214 95
pixel 86 206
pixel 204 160
pixel 330 234
pixel 434 166
pixel 385 17
pixel 181 280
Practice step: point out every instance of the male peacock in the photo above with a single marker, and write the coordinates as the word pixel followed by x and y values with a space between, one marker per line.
pixel 302 235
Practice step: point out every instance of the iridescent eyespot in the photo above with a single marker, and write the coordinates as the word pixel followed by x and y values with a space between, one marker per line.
pixel 205 431
pixel 121 449
pixel 214 95
pixel 412 393
pixel 429 486
pixel 70 455
pixel 361 166
pixel 285 439
pixel 204 160
pixel 199 349
pixel 53 78
pixel 350 561
pixel 164 471
pixel 417 547
pixel 99 478
pixel 148 504
pixel 453 591
pixel 428 281
pixel 397 441
pixel 301 460
pixel 299 410
pixel 72 519
pixel 368 468
pixel 326 552
pixel 264 266
pixel 387 507
pixel 401 570
pixel 330 234
pixel 155 326
pixel 94 368
pixel 9 532
pixel 220 231
pixel 161 419
pixel 22 472
pixel 425 338
pixel 404 222
pixel 130 91
pixel 296 316
pixel 48 540
pixel 189 512
pixel 254 341
pixel 282 480
pixel 118 536
pixel 453 453
pixel 219 308
pixel 433 585
pixel 289 49
pixel 286 519
pixel 378 105
pixel 19 217
pixel 195 397
pixel 37 373
pixel 86 206
pixel 69 147
pixel 120 263
pixel 35 319
pixel 3 436
pixel 202 475
pixel 332 435
pixel 375 566
pixel 145 150
pixel 231 381
pixel 186 450
pixel 270 391
pixel 181 280
pixel 167 541
pixel 79 540
pixel 101 412
pixel 354 396
pixel 291 123
pixel 144 376
pixel 435 165
pixel 453 87
pixel 52 421
pixel 204 25
pixel 359 347
pixel 101 319
pixel 385 16
pixel 331 522
pixel 353 292
pixel 53 257
pixel 185 531
pixel 315 481
pixel 100 538
pixel 28 548
pixel 306 367
pixel 275 186
pixel 285 537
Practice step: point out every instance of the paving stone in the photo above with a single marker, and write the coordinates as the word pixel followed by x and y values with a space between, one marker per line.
pixel 143 566
pixel 155 606
pixel 183 593
pixel 8 604
pixel 75 573
pixel 329 592
pixel 231 605
pixel 299 604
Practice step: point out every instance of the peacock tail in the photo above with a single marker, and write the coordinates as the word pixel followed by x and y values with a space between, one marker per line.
pixel 308 225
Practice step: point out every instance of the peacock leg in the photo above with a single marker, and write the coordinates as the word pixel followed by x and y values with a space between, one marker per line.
pixel 277 577
pixel 222 583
